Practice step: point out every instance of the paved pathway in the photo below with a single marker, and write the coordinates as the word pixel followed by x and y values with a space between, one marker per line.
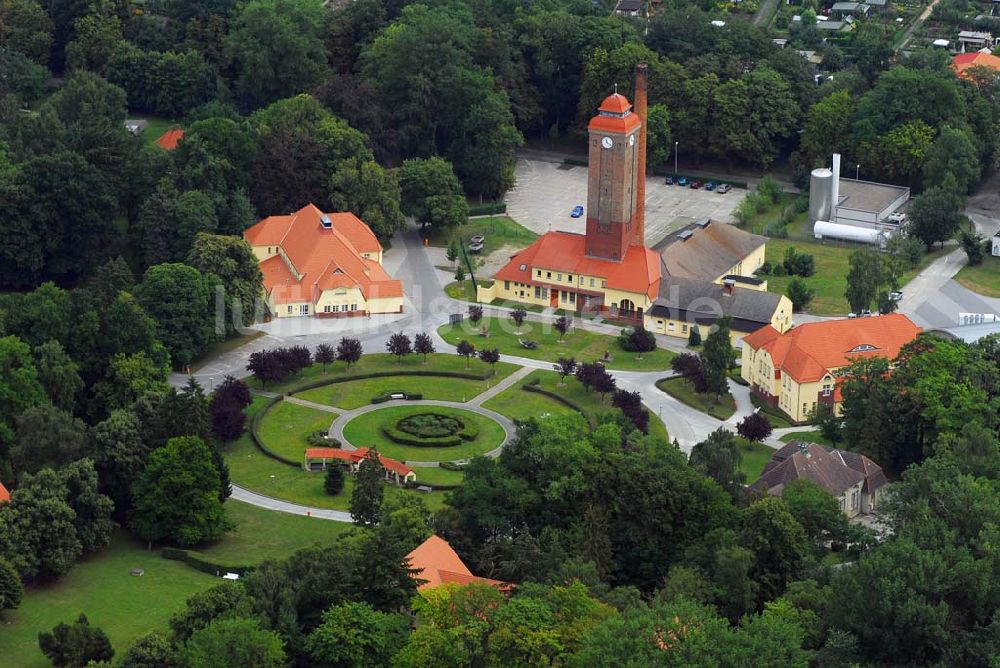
pixel 311 404
pixel 270 503
pixel 507 382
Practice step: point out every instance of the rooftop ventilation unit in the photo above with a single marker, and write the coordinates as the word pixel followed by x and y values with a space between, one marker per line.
pixel 685 235
pixel 703 223
pixel 325 221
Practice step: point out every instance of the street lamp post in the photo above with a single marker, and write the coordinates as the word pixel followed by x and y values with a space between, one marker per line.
pixel 857 173
pixel 675 158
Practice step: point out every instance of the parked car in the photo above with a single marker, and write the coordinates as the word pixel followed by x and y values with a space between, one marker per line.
pixel 896 295
pixel 723 188
pixel 696 184
pixel 710 185
pixel 476 248
pixel 576 212
pixel 669 181
pixel 682 181
pixel 478 239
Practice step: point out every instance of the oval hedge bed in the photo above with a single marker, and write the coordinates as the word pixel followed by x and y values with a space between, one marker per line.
pixel 478 434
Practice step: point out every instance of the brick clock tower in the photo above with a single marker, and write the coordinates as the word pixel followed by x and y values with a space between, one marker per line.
pixel 615 187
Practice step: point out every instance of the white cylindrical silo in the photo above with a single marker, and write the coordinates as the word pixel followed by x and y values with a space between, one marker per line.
pixel 820 195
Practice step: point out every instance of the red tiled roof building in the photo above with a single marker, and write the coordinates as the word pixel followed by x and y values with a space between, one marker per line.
pixel 436 564
pixel 169 139
pixel 608 268
pixel 323 264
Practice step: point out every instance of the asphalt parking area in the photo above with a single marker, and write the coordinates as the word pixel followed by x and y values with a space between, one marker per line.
pixel 546 192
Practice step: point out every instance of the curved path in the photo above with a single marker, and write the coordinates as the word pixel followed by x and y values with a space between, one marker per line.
pixel 277 505
pixel 337 428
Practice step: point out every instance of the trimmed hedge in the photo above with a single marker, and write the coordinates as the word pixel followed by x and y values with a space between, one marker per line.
pixel 323 382
pixel 534 387
pixel 382 398
pixel 320 439
pixel 468 433
pixel 488 208
pixel 451 466
pixel 255 426
pixel 199 562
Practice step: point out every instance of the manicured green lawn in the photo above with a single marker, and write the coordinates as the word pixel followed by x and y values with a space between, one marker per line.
pixel 776 416
pixel 383 362
pixel 721 408
pixel 461 290
pixel 123 605
pixel 358 393
pixel 830 280
pixel 435 475
pixel 499 231
pixel 584 345
pixel 366 430
pixel 810 436
pixel 755 456
pixel 265 534
pixel 285 427
pixel 516 402
pixel 983 279
pixel 157 126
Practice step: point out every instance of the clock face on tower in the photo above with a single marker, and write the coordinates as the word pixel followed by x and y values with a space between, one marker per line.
pixel 607 142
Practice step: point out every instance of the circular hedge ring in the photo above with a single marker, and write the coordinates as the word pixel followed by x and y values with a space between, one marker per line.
pixel 430 425
pixel 425 433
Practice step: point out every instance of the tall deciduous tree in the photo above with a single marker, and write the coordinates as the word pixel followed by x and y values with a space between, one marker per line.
pixel 234 643
pixel 399 344
pixel 277 50
pixel 349 351
pixel 177 496
pixel 47 437
pixel 370 192
pixel 432 193
pixel 423 345
pixel 719 458
pixel 57 372
pixel 353 634
pixel 26 28
pixel 659 141
pixel 366 499
pixel 717 357
pixel 77 645
pixel 778 542
pixel 19 386
pixel 863 279
pixel 182 302
pixel 37 528
pixel 936 215
pixel 231 259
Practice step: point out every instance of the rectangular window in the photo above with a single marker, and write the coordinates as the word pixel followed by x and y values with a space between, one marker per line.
pixel 538 272
pixel 591 282
pixel 586 300
pixel 548 274
pixel 354 307
pixel 326 309
pixel 565 296
pixel 670 326
pixel 684 329
pixel 506 286
pixel 572 298
pixel 538 292
pixel 545 293
pixel 289 309
pixel 804 408
pixel 570 278
pixel 559 276
pixel 604 284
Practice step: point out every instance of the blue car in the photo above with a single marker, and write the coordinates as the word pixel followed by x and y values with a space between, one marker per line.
pixel 682 182
pixel 710 185
pixel 576 212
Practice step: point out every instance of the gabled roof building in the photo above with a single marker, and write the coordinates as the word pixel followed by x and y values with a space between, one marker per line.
pixel 322 264
pixel 168 140
pixel 797 370
pixel 436 564
pixel 851 478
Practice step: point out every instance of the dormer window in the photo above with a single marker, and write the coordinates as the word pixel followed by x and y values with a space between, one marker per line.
pixel 863 348
pixel 325 221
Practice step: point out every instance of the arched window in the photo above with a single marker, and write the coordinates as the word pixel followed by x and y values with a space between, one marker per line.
pixel 626 306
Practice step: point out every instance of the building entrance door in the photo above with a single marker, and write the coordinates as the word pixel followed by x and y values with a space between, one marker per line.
pixel 553 298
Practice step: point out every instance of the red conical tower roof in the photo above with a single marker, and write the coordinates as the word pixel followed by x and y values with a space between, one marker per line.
pixel 615 104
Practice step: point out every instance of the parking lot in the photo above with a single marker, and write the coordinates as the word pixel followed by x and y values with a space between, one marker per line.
pixel 547 191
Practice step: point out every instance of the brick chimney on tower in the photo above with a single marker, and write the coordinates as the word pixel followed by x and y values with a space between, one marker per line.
pixel 640 183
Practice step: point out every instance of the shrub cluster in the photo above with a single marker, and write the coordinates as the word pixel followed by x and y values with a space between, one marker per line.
pixel 637 340
pixel 798 264
pixel 430 430
pixel 269 366
pixel 630 404
pixel 320 439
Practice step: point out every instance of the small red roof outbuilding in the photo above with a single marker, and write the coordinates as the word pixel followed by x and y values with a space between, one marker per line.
pixel 168 140
pixel 4 494
pixel 436 563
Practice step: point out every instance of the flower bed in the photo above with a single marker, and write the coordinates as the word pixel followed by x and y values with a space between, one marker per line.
pixel 430 430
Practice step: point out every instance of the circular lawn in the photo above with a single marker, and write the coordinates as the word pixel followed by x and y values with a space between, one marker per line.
pixel 445 433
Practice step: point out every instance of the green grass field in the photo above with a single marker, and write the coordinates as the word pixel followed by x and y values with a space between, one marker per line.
pixel 358 393
pixel 366 430
pixel 721 408
pixel 584 345
pixel 983 279
pixel 264 534
pixel 499 231
pixel 157 126
pixel 755 456
pixel 516 402
pixel 382 362
pixel 435 475
pixel 810 436
pixel 285 427
pixel 830 280
pixel 123 605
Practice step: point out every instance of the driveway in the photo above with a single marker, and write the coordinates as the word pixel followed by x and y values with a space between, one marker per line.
pixel 547 190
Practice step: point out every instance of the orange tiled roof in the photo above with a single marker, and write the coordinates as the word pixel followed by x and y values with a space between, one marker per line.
pixel 565 252
pixel 355 456
pixel 809 351
pixel 168 140
pixel 963 61
pixel 436 562
pixel 324 258
pixel 615 104
pixel 4 494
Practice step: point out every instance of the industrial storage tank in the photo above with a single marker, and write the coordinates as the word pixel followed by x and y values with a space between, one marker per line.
pixel 823 229
pixel 820 195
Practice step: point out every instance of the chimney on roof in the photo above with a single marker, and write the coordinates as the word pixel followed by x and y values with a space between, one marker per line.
pixel 640 185
pixel 728 286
